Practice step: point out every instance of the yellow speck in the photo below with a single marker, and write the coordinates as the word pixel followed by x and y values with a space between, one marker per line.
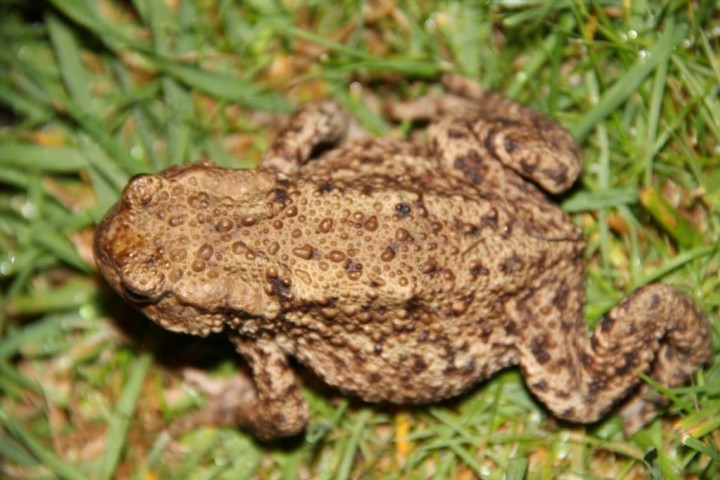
pixel 49 138
pixel 404 446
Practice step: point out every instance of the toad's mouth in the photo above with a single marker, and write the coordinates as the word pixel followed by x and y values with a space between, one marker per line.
pixel 176 316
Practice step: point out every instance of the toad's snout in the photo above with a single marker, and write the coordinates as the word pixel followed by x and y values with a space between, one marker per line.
pixel 123 256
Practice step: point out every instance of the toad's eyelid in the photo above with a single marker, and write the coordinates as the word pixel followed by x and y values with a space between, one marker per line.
pixel 134 296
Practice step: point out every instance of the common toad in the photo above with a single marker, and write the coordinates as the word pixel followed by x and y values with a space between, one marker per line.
pixel 397 271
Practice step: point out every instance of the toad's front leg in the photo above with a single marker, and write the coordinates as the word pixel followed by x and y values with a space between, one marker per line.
pixel 322 123
pixel 277 408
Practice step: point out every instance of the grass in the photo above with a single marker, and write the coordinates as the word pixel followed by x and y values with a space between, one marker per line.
pixel 94 92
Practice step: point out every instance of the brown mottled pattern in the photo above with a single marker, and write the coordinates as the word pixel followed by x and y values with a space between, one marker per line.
pixel 395 271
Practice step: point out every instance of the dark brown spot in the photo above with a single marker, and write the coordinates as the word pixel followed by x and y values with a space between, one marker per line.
pixel 540 386
pixel 630 361
pixel 419 364
pixel 413 304
pixel 454 133
pixel 403 209
pixel 513 264
pixel 366 190
pixel 281 289
pixel 538 347
pixel 568 413
pixel 490 220
pixel 560 298
pixel 528 167
pixel 485 331
pixel 511 146
pixel 559 174
pixel 351 266
pixel 567 326
pixel 597 385
pixel 280 195
pixel 654 302
pixel 477 269
pixel 472 166
pixel 326 187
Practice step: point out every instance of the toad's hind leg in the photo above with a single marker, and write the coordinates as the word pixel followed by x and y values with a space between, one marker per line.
pixel 657 330
pixel 524 140
pixel 316 124
pixel 473 126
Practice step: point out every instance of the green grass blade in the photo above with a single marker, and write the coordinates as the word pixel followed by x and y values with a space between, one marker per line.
pixel 41 453
pixel 351 446
pixel 591 201
pixel 67 52
pixel 629 81
pixel 696 444
pixel 517 469
pixel 29 156
pixel 119 423
pixel 70 295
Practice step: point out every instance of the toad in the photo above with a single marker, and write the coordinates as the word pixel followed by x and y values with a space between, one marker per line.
pixel 396 270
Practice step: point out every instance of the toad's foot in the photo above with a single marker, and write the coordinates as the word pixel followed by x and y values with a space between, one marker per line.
pixel 278 409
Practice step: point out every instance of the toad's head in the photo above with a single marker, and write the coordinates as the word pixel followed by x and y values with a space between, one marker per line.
pixel 173 246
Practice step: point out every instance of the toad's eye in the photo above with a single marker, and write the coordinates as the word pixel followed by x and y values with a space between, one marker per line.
pixel 134 296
